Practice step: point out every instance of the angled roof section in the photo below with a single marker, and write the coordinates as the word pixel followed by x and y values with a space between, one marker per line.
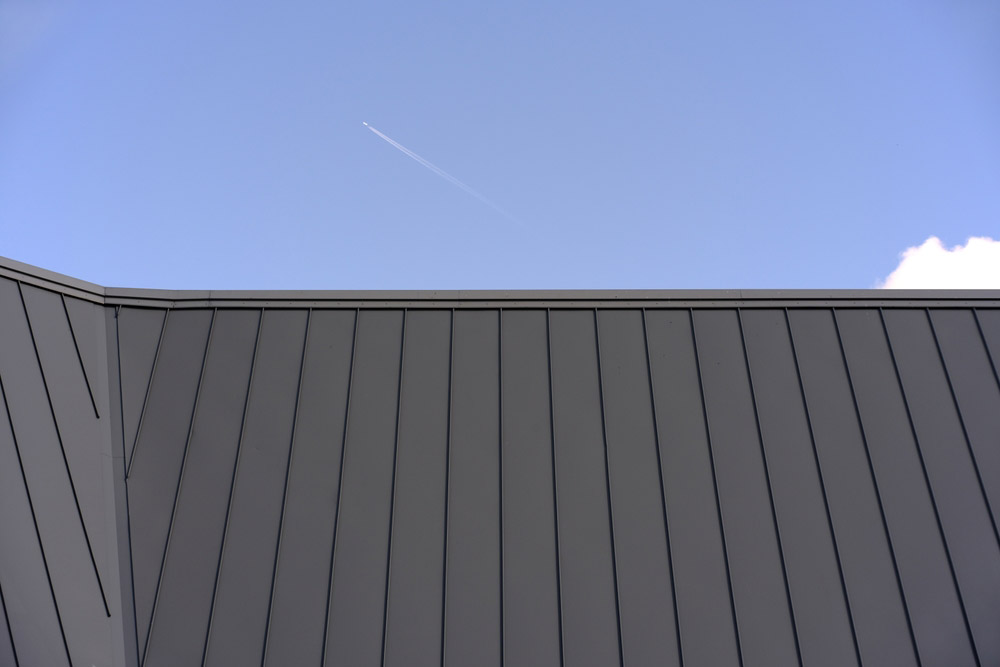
pixel 489 478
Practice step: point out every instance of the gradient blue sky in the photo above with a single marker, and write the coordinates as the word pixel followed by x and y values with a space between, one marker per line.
pixel 644 144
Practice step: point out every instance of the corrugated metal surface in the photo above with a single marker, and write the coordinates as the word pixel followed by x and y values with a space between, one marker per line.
pixel 728 483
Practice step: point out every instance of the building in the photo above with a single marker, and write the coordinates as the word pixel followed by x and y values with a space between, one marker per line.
pixel 531 478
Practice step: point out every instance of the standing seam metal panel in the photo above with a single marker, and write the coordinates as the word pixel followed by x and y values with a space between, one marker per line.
pixel 531 590
pixel 49 480
pixel 954 479
pixel 925 568
pixel 647 612
pixel 815 579
pixel 704 605
pixel 357 599
pixel 988 323
pixel 35 622
pixel 589 604
pixel 7 654
pixel 296 630
pixel 129 649
pixel 414 600
pixel 759 587
pixel 238 623
pixel 156 460
pixel 482 403
pixel 880 614
pixel 74 414
pixel 970 373
pixel 183 599
pixel 140 335
pixel 473 601
pixel 88 341
pixel 317 486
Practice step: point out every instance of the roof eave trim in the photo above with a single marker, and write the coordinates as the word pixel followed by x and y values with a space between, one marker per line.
pixel 158 298
pixel 57 282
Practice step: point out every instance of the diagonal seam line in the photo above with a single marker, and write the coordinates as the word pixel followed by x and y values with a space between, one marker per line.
pixel 822 486
pixel 10 633
pixel 555 488
pixel 965 431
pixel 340 484
pixel 79 357
pixel 874 478
pixel 62 449
pixel 284 492
pixel 986 346
pixel 663 491
pixel 128 514
pixel 930 493
pixel 145 397
pixel 770 492
pixel 180 483
pixel 447 489
pixel 392 499
pixel 715 486
pixel 34 520
pixel 232 488
pixel 607 481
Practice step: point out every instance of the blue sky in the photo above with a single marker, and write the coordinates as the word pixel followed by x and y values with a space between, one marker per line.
pixel 643 144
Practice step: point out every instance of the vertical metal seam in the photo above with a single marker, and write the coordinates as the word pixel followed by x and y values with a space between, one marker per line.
pixel 930 490
pixel 79 357
pixel 715 487
pixel 232 489
pixel 392 496
pixel 986 346
pixel 663 489
pixel 128 514
pixel 10 633
pixel 503 624
pixel 555 486
pixel 965 431
pixel 284 491
pixel 607 481
pixel 447 494
pixel 180 483
pixel 121 406
pixel 145 398
pixel 340 485
pixel 822 487
pixel 878 493
pixel 62 449
pixel 34 521
pixel 770 491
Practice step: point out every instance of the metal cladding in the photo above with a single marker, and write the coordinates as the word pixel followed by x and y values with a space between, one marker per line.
pixel 472 478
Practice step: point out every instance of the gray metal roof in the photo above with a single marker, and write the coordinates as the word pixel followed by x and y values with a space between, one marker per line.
pixel 524 478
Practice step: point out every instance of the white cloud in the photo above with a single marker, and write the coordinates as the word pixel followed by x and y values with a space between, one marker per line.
pixel 975 265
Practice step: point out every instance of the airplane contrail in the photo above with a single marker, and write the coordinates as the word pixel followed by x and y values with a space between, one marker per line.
pixel 443 174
